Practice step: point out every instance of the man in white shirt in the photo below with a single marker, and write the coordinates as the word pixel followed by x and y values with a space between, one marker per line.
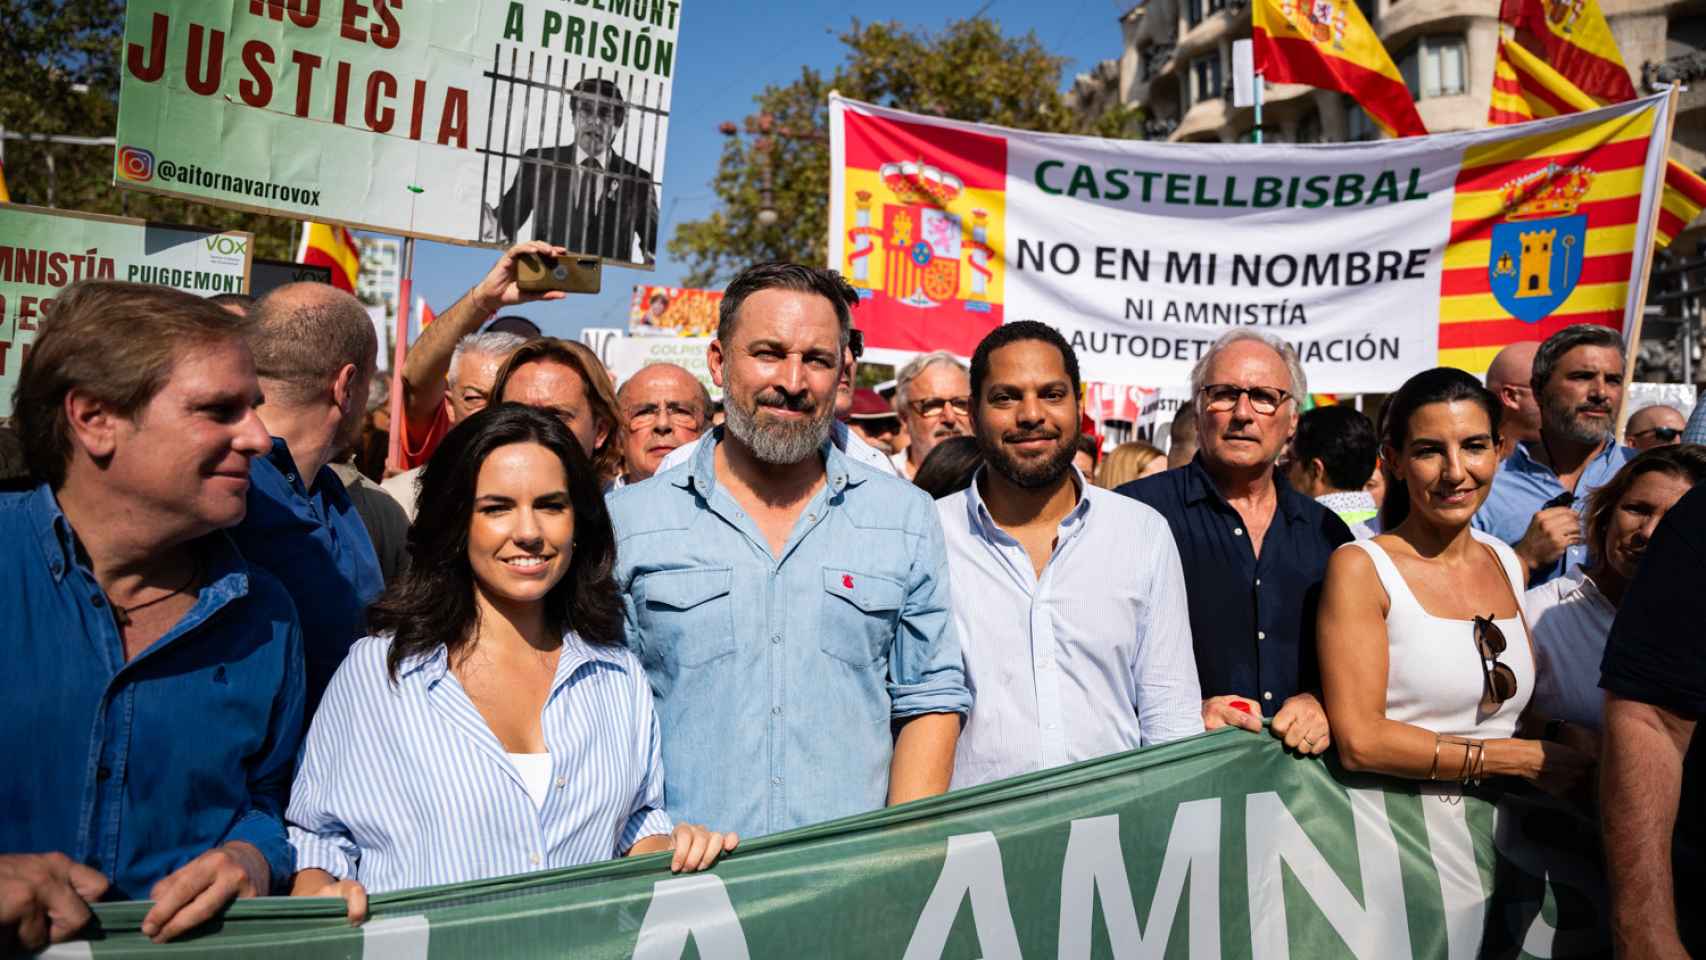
pixel 1069 599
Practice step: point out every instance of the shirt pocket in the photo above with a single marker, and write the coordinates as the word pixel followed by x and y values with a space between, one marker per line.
pixel 686 616
pixel 857 615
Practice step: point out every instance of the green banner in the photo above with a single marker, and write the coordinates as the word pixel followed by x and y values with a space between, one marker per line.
pixel 1219 846
pixel 415 118
pixel 41 251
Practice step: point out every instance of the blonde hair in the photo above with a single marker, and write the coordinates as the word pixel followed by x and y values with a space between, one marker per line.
pixel 1126 463
pixel 600 395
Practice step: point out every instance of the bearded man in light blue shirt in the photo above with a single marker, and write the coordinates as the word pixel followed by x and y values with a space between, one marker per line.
pixel 1070 599
pixel 790 605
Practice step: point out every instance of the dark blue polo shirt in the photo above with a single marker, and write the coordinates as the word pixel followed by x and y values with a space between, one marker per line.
pixel 1252 619
pixel 137 767
pixel 310 537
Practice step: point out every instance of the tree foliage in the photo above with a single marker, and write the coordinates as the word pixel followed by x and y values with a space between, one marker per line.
pixel 59 74
pixel 967 71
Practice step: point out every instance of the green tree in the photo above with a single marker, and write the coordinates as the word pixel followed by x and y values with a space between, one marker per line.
pixel 59 73
pixel 967 71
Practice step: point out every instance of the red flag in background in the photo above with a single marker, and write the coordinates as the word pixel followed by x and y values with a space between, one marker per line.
pixel 330 245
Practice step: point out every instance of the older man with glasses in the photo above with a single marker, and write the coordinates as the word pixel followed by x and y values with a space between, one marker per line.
pixel 933 398
pixel 662 408
pixel 1254 549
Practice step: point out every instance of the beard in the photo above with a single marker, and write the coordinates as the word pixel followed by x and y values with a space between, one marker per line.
pixel 773 441
pixel 1566 419
pixel 1032 474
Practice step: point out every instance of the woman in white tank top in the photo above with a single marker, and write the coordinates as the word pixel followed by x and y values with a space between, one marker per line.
pixel 1426 660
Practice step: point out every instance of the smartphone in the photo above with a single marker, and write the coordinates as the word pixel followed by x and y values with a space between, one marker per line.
pixel 1565 499
pixel 535 273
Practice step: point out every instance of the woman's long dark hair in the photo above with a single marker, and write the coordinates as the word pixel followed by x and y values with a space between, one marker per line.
pixel 1439 385
pixel 433 603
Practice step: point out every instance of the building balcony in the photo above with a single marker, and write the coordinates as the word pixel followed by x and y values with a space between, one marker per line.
pixel 1687 69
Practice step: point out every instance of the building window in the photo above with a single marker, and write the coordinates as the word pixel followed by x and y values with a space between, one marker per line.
pixel 1435 66
pixel 1215 6
pixel 1193 13
pixel 1204 82
pixel 1359 125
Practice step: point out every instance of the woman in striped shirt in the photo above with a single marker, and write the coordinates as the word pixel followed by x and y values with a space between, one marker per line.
pixel 494 724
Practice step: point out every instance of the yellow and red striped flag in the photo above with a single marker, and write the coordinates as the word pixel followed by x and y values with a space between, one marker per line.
pixel 1544 234
pixel 1576 41
pixel 1526 88
pixel 330 245
pixel 1329 44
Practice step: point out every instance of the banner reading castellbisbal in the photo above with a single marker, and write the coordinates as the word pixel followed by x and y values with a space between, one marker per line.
pixel 1376 259
pixel 1222 846
pixel 41 251
pixel 465 120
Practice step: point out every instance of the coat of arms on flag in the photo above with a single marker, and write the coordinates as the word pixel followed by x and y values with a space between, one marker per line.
pixel 1535 258
pixel 924 233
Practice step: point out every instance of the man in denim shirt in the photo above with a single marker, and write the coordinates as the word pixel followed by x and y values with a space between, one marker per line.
pixel 1542 487
pixel 153 705
pixel 315 353
pixel 790 605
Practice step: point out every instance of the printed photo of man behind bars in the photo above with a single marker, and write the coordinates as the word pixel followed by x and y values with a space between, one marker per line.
pixel 584 195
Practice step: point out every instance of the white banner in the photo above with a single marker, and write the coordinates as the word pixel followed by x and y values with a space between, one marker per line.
pixel 1376 260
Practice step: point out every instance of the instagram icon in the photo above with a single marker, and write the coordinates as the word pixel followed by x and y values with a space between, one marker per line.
pixel 135 163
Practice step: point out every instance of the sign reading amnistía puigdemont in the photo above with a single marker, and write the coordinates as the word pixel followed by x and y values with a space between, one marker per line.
pixel 464 120
pixel 42 251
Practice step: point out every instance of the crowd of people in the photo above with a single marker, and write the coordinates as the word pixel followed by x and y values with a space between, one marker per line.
pixel 616 625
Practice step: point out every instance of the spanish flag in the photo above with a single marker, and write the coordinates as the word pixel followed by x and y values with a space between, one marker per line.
pixel 1526 88
pixel 1577 42
pixel 1328 44
pixel 329 245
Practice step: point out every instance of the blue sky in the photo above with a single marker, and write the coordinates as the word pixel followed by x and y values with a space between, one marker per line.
pixel 730 50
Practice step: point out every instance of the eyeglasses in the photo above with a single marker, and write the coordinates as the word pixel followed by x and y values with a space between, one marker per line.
pixel 1498 683
pixel 1661 434
pixel 932 408
pixel 643 418
pixel 1222 397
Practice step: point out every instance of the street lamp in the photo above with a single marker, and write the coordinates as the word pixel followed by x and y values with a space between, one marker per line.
pixel 764 126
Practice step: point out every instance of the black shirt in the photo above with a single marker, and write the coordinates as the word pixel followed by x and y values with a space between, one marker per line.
pixel 1252 618
pixel 1656 655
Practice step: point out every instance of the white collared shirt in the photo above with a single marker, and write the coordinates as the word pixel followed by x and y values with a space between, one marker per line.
pixel 1092 658
pixel 1571 620
pixel 405 785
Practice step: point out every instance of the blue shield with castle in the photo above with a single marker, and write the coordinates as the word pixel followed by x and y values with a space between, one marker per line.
pixel 1536 254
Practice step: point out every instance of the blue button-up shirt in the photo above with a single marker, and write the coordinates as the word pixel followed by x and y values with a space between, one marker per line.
pixel 136 768
pixel 374 814
pixel 1252 618
pixel 1091 658
pixel 777 679
pixel 312 539
pixel 1524 484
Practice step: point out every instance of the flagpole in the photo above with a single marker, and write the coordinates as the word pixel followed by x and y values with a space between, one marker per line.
pixel 1256 92
pixel 1632 342
pixel 399 349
